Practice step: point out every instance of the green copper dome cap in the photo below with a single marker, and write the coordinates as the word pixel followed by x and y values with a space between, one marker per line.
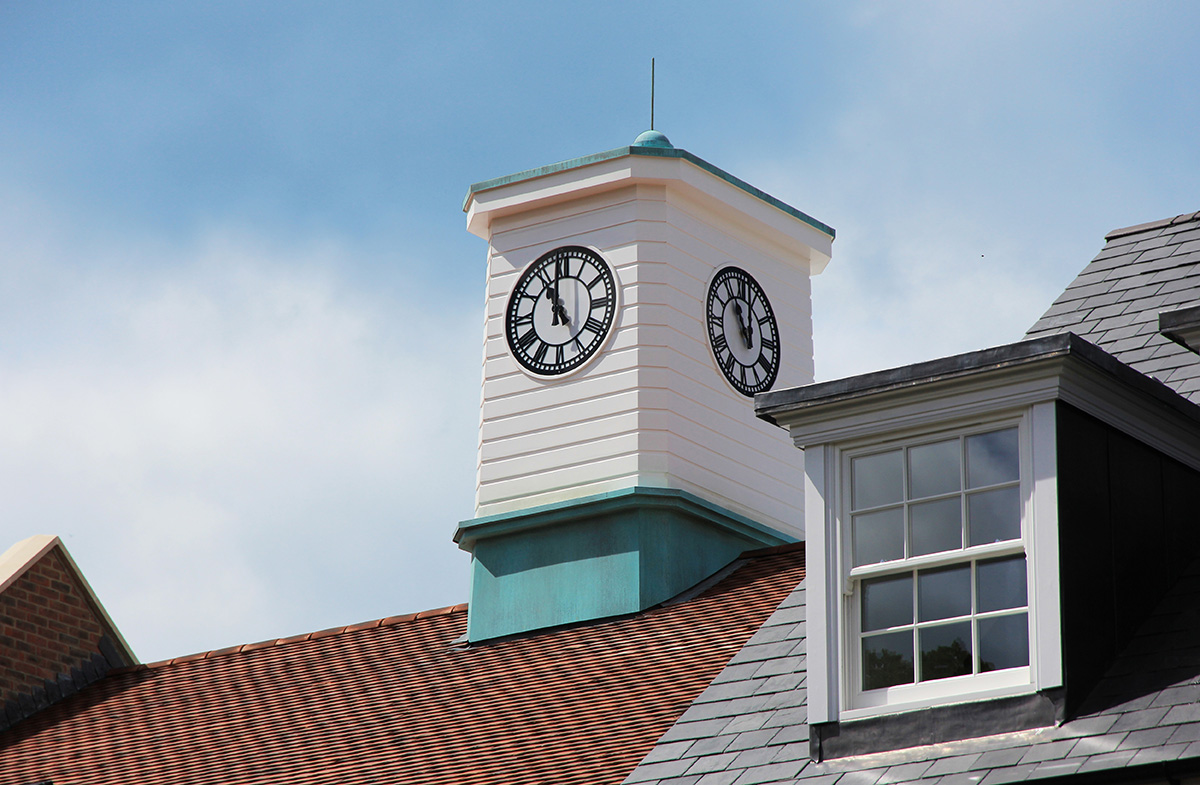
pixel 652 138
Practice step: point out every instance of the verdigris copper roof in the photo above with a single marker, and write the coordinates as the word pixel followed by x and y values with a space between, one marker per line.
pixel 1115 301
pixel 403 700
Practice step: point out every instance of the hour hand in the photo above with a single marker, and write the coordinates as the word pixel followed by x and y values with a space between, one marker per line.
pixel 746 330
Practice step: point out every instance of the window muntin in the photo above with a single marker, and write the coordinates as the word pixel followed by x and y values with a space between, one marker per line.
pixel 937 562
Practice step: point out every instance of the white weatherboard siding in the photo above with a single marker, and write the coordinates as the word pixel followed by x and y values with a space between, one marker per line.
pixel 652 409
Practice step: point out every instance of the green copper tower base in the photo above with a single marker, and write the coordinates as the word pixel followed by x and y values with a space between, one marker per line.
pixel 601 556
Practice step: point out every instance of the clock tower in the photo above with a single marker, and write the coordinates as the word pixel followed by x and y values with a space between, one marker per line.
pixel 636 300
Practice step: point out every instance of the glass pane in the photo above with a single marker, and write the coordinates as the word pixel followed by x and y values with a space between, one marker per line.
pixel 994 516
pixel 887 602
pixel 877 480
pixel 933 469
pixel 879 536
pixel 887 660
pixel 944 593
pixel 945 650
pixel 1001 584
pixel 936 526
pixel 1003 642
pixel 992 458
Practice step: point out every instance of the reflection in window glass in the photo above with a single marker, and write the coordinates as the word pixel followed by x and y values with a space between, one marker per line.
pixel 944 593
pixel 1003 642
pixel 992 458
pixel 935 526
pixel 994 516
pixel 879 536
pixel 887 602
pixel 933 469
pixel 878 479
pixel 1001 584
pixel 945 651
pixel 887 660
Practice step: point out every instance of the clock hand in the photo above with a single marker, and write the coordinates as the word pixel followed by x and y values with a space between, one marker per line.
pixel 558 309
pixel 746 330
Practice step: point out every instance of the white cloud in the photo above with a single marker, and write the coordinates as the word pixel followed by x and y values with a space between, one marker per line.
pixel 235 442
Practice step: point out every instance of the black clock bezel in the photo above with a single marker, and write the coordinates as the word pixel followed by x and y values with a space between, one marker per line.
pixel 531 352
pixel 730 367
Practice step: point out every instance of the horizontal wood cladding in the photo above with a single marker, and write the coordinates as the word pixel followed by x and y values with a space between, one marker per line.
pixel 654 395
pixel 1129 521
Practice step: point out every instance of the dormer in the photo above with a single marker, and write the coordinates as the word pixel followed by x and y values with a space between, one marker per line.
pixel 984 530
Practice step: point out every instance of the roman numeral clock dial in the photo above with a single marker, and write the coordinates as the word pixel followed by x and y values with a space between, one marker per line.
pixel 561 311
pixel 742 331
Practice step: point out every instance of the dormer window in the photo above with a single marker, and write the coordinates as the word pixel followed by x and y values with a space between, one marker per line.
pixel 935 566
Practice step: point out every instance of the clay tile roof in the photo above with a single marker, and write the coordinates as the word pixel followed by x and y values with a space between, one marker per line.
pixel 403 700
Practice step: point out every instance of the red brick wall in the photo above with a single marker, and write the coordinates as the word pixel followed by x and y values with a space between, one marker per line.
pixel 47 627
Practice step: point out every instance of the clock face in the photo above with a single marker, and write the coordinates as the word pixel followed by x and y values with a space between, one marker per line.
pixel 561 310
pixel 742 331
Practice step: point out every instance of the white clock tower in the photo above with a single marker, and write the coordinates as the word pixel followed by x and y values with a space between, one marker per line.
pixel 636 299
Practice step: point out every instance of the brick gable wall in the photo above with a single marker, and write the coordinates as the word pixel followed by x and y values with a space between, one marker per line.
pixel 52 641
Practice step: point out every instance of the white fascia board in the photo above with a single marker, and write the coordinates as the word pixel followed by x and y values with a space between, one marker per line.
pixel 985 392
pixel 733 203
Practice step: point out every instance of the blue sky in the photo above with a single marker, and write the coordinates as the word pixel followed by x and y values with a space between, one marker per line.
pixel 241 318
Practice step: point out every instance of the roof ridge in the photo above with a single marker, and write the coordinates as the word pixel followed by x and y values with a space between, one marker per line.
pixel 773 550
pixel 1138 228
pixel 387 621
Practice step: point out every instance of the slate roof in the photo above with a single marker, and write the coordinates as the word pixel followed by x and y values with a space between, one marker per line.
pixel 404 700
pixel 1143 719
pixel 1114 303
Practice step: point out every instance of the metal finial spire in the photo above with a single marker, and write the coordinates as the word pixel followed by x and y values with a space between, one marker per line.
pixel 651 93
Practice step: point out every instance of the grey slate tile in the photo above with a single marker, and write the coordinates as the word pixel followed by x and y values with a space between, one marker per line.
pixel 1055 768
pixel 783 681
pixel 1087 726
pixel 769 651
pixel 680 781
pixel 952 765
pixel 740 672
pixel 760 756
pixel 791 733
pixel 905 773
pixel 672 751
pixel 964 778
pixel 861 777
pixel 753 738
pixel 718 778
pixel 997 758
pixel 791 615
pixel 697 730
pixel 748 722
pixel 658 771
pixel 1051 751
pixel 1142 718
pixel 1109 760
pixel 822 779
pixel 795 751
pixel 774 772
pixel 1150 737
pixel 714 745
pixel 711 763
pixel 777 667
pixel 1158 754
pixel 1009 774
pixel 730 690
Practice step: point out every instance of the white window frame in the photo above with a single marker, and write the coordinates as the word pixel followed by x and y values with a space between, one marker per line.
pixel 833 626
pixel 851 577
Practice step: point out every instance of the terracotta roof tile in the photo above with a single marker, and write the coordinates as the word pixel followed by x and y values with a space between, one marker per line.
pixel 402 700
